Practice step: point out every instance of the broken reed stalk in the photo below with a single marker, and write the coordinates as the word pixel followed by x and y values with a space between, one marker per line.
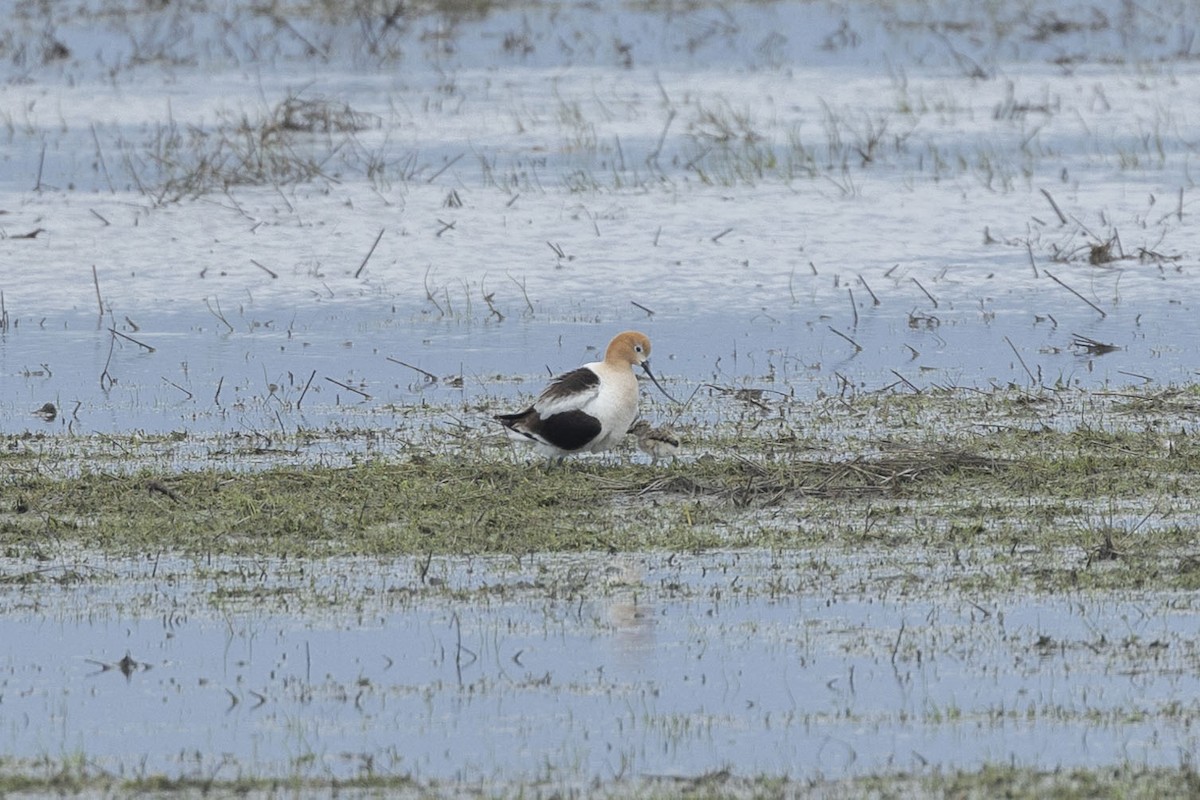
pixel 932 299
pixel 1095 307
pixel 1061 217
pixel 41 166
pixel 1032 263
pixel 129 338
pixel 652 158
pixel 358 392
pixel 905 381
pixel 857 347
pixel 1023 365
pixel 429 375
pixel 305 390
pixel 853 306
pixel 874 299
pixel 180 388
pixel 636 304
pixel 370 252
pixel 96 283
pixel 264 269
pixel 445 167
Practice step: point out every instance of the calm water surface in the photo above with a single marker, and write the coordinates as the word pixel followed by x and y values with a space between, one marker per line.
pixel 676 666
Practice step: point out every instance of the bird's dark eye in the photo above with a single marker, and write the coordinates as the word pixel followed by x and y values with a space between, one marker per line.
pixel 637 347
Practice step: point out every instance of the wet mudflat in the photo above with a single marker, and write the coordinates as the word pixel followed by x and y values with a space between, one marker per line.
pixel 922 275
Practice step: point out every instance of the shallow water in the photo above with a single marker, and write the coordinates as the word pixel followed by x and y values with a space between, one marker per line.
pixel 571 669
pixel 566 189
pixel 282 364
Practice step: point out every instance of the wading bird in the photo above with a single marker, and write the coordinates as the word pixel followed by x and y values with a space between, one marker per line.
pixel 589 408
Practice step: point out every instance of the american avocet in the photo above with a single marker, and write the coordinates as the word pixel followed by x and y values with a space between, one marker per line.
pixel 655 442
pixel 589 408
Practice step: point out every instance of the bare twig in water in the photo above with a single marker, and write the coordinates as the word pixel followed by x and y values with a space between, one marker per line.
pixel 906 381
pixel 428 375
pixel 359 392
pixel 636 304
pixel 370 252
pixel 896 646
pixel 524 293
pixel 932 299
pixel 128 338
pixel 445 167
pixel 1032 263
pixel 853 306
pixel 721 235
pixel 857 347
pixel 1061 217
pixel 264 269
pixel 103 166
pixel 217 313
pixel 1023 365
pixel 107 381
pixel 874 299
pixel 180 388
pixel 652 159
pixel 41 165
pixel 1095 307
pixel 304 391
pixel 970 68
pixel 429 293
pixel 96 283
